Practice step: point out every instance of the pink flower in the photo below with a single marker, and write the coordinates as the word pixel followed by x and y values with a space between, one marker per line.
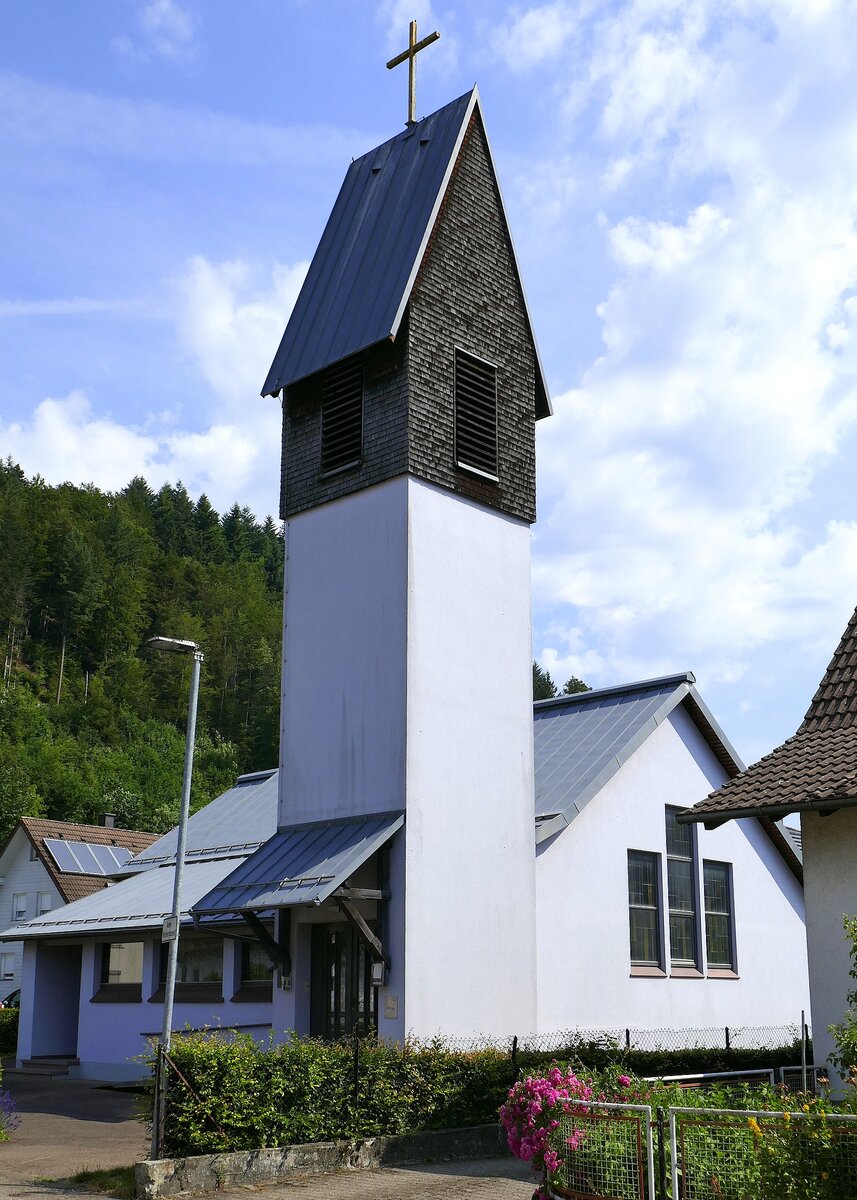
pixel 624 1080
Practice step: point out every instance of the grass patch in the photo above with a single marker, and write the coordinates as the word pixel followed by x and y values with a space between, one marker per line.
pixel 111 1181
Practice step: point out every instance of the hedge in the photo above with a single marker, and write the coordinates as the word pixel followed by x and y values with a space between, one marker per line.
pixel 8 1030
pixel 232 1094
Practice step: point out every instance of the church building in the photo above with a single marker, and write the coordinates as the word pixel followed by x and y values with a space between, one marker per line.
pixel 419 864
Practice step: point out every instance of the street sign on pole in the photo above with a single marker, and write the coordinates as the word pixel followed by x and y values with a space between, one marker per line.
pixel 170 929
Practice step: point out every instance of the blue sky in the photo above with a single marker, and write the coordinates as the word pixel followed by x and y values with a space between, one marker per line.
pixel 681 180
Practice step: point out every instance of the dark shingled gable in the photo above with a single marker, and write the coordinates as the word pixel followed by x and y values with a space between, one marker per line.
pixel 814 769
pixel 75 887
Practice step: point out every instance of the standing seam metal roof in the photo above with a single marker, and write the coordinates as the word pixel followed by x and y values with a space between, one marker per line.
pixel 361 275
pixel 581 741
pixel 301 865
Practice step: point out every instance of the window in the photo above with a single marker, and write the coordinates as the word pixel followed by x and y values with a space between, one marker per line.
pixel 19 907
pixel 121 963
pixel 681 892
pixel 475 415
pixel 644 907
pixel 200 960
pixel 719 931
pixel 7 967
pixel 44 903
pixel 34 854
pixel 342 417
pixel 256 967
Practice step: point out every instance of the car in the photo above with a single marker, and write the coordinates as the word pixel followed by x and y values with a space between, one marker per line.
pixel 13 1000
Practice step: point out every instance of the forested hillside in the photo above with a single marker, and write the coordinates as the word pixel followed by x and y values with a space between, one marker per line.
pixel 91 721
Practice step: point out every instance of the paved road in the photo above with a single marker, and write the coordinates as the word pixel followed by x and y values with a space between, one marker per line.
pixel 68 1125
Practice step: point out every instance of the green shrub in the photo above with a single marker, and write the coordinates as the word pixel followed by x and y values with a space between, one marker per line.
pixel 239 1095
pixel 8 1030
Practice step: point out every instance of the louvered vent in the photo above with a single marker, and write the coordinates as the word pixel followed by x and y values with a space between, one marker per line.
pixel 475 414
pixel 342 417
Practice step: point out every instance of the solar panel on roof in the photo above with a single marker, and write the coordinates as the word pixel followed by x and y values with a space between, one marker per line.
pixel 86 858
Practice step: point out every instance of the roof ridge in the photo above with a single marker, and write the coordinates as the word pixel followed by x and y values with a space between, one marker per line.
pixel 642 685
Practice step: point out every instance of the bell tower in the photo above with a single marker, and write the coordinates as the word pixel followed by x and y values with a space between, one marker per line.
pixel 411 385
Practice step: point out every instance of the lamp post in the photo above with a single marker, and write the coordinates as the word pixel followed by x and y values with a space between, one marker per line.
pixel 175 646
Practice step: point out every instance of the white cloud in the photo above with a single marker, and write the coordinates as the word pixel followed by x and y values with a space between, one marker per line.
pixel 167 30
pixel 681 519
pixel 231 318
pixel 47 118
pixel 528 39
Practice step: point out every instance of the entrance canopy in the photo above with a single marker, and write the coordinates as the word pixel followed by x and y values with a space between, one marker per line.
pixel 304 864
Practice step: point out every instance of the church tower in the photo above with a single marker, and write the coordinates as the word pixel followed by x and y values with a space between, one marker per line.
pixel 411 385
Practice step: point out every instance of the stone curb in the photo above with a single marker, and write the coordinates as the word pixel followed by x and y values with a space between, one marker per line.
pixel 211 1172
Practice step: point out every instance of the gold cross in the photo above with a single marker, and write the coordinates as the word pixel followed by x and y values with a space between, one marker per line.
pixel 410 54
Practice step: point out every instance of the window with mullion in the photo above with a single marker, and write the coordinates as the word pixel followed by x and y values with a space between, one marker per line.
pixel 719 938
pixel 681 892
pixel 644 907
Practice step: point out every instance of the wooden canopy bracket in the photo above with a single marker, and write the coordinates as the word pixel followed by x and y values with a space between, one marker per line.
pixel 372 943
pixel 277 952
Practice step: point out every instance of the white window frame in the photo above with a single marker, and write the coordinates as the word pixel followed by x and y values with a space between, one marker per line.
pixel 7 973
pixel 19 906
pixel 41 908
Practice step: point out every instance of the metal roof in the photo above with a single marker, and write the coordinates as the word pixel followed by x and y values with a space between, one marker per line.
pixel 139 903
pixel 582 740
pixel 233 825
pixel 304 864
pixel 360 279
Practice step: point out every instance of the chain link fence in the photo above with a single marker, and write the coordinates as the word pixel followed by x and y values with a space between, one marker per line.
pixel 740 1037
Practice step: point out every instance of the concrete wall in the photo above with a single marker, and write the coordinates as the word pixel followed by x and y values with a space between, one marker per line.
pixel 469 903
pixel 20 876
pixel 582 905
pixel 342 742
pixel 830 868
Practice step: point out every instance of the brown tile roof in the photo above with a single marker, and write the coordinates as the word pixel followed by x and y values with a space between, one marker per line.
pixel 75 887
pixel 817 767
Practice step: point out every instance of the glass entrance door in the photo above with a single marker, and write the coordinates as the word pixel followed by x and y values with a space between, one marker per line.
pixel 342 999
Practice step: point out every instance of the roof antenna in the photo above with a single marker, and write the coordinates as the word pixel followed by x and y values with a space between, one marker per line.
pixel 410 55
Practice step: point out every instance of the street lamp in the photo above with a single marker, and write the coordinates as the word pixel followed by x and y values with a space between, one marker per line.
pixel 171 925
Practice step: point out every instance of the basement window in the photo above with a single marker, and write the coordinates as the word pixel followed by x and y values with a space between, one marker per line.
pixel 342 417
pixel 475 415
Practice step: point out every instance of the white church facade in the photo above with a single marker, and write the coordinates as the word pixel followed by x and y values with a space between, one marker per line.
pixel 419 864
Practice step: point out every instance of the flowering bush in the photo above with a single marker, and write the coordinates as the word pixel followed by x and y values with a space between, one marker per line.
pixel 532 1112
pixel 535 1106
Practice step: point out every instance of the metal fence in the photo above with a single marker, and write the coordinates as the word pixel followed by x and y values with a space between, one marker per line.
pixel 629 1152
pixel 738 1037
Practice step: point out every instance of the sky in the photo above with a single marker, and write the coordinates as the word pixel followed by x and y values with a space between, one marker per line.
pixel 681 183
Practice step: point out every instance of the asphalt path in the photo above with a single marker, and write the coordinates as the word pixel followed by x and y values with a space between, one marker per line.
pixel 68 1125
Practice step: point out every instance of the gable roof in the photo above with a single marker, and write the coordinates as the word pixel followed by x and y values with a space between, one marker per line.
pixel 816 768
pixel 360 279
pixel 582 740
pixel 74 887
pixel 219 837
pixel 232 825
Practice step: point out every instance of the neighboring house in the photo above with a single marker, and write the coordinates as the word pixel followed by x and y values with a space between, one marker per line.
pixel 46 864
pixel 641 922
pixel 814 774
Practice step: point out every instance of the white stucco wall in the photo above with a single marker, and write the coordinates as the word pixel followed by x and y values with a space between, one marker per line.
pixel 342 739
pixel 469 903
pixel 20 876
pixel 830 869
pixel 582 905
